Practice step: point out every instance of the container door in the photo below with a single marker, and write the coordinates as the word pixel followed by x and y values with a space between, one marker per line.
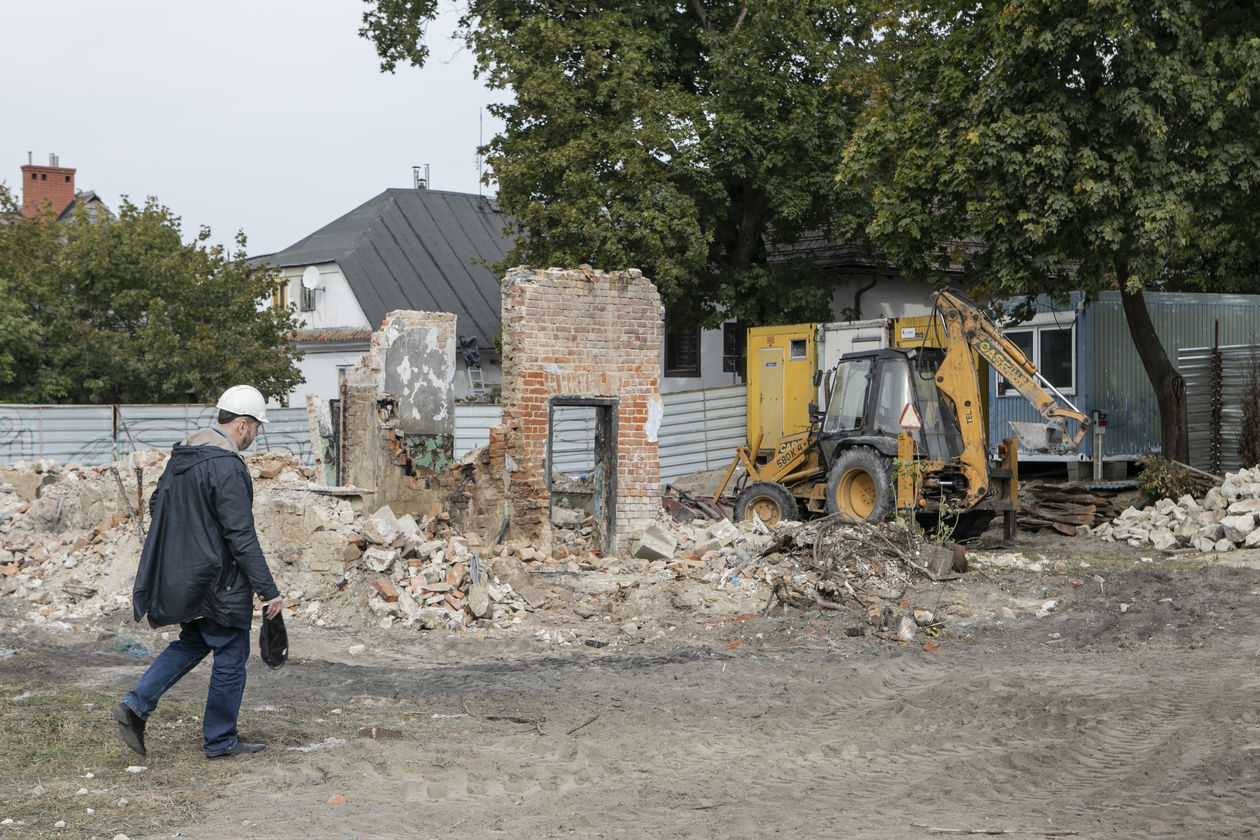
pixel 772 382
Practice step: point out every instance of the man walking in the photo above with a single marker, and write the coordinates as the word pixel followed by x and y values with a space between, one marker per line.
pixel 200 568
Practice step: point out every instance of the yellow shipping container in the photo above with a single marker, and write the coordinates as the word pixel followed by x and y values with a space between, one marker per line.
pixel 781 365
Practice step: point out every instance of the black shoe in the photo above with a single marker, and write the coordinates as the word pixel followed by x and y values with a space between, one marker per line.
pixel 239 748
pixel 130 727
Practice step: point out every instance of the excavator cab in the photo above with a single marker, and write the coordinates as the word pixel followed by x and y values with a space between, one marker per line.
pixel 879 394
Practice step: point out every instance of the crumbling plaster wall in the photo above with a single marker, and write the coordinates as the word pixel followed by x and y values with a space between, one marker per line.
pixel 579 334
pixel 398 409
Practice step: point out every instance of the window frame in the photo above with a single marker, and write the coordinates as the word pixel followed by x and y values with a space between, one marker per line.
pixel 735 349
pixel 1036 327
pixel 671 366
pixel 280 295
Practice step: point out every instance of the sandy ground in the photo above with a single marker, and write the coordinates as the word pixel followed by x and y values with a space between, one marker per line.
pixel 1127 708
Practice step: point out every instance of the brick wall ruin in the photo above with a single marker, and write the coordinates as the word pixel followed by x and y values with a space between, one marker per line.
pixel 570 338
pixel 397 413
pixel 580 337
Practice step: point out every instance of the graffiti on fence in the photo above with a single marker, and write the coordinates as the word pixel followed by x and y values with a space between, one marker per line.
pixel 93 452
pixel 16 441
pixel 297 445
pixel 164 432
pixel 95 435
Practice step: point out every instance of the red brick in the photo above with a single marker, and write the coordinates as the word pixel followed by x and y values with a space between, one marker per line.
pixel 386 588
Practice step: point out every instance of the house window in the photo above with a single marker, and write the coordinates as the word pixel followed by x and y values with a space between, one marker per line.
pixel 1052 349
pixel 682 353
pixel 342 371
pixel 280 295
pixel 308 299
pixel 734 340
pixel 797 349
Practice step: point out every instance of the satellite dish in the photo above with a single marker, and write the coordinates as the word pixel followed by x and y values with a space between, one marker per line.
pixel 310 278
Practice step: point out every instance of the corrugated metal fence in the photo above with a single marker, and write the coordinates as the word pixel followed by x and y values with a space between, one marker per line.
pixel 91 435
pixel 700 431
pixel 1216 380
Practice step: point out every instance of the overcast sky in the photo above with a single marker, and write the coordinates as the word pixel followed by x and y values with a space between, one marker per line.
pixel 269 116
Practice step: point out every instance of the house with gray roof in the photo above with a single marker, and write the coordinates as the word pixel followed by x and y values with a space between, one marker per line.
pixel 402 249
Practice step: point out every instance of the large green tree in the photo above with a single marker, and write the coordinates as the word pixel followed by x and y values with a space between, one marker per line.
pixel 693 140
pixel 122 310
pixel 1051 145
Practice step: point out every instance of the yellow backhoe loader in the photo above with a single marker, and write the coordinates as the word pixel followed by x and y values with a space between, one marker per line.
pixel 903 429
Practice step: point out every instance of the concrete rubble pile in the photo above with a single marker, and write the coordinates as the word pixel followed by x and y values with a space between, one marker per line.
pixel 1227 518
pixel 69 547
pixel 70 540
pixel 717 553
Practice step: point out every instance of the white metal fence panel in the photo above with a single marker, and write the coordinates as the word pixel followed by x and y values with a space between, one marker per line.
pixel 62 433
pixel 287 430
pixel 573 440
pixel 98 434
pixel 159 426
pixel 701 429
pixel 699 432
pixel 473 422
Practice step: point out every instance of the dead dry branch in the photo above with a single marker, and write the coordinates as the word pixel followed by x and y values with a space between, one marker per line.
pixel 838 565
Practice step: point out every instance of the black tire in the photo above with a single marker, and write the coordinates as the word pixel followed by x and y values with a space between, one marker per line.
pixel 859 486
pixel 765 500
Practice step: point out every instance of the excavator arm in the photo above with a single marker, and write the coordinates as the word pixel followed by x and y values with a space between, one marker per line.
pixel 967 328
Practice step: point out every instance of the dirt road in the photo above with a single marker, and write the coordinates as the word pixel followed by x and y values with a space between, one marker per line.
pixel 1126 709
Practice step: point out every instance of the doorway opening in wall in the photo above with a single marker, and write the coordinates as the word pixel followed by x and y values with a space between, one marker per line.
pixel 581 470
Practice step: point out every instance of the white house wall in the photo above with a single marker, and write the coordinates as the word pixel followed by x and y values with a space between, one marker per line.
pixel 890 297
pixel 711 375
pixel 335 304
pixel 491 377
pixel 319 372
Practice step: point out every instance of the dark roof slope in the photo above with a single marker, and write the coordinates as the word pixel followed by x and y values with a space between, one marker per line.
pixel 89 199
pixel 415 249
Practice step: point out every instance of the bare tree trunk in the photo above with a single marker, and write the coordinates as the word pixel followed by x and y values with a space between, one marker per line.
pixel 1170 387
pixel 749 235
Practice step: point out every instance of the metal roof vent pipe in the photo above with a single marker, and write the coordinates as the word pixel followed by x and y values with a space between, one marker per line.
pixel 421 181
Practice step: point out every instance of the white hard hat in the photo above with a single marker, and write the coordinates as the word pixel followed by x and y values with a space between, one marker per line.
pixel 246 400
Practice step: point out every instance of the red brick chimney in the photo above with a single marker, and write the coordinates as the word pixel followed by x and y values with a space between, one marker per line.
pixel 46 188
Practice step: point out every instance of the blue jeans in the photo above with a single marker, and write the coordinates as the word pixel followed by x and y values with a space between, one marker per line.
pixel 227 678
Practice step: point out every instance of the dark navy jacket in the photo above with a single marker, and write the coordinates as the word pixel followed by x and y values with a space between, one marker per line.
pixel 201 558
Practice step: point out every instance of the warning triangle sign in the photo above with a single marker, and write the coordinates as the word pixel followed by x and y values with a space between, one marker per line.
pixel 910 420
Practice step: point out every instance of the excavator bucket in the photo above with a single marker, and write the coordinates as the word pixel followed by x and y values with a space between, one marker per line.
pixel 1042 437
